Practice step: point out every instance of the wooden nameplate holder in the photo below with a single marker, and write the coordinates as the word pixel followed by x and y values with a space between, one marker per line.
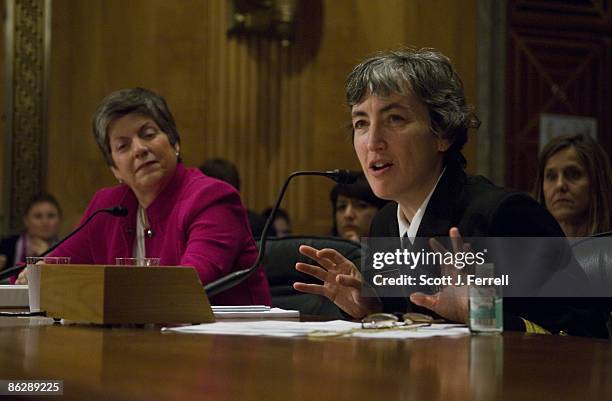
pixel 121 295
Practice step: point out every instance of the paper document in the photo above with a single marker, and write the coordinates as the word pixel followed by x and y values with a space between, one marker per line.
pixel 240 308
pixel 253 312
pixel 335 328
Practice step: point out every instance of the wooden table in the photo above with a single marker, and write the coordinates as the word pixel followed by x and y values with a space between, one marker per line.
pixel 146 364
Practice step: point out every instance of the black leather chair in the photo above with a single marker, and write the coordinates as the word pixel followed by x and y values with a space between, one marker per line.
pixel 279 262
pixel 594 254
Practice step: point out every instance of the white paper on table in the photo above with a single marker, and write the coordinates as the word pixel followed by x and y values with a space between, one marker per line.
pixel 240 308
pixel 254 313
pixel 301 329
pixel 274 328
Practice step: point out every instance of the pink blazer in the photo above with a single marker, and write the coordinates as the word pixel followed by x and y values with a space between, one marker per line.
pixel 196 221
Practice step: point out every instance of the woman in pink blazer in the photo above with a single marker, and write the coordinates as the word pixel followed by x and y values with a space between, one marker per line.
pixel 174 213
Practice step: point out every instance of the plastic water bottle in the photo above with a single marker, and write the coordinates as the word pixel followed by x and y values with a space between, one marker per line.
pixel 486 302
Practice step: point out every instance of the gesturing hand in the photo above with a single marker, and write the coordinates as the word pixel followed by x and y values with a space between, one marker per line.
pixel 450 302
pixel 341 279
pixel 22 278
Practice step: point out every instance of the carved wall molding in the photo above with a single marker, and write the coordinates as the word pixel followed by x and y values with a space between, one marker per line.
pixel 27 50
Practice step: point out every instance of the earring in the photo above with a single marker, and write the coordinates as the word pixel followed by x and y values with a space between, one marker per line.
pixel 177 154
pixel 120 181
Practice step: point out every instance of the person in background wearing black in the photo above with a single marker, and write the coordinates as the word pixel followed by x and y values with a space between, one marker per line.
pixel 354 206
pixel 281 226
pixel 41 221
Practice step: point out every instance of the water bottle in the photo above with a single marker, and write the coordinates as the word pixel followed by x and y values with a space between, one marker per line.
pixel 486 302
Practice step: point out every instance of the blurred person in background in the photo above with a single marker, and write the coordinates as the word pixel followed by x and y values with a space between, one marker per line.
pixel 574 182
pixel 41 223
pixel 354 206
pixel 281 226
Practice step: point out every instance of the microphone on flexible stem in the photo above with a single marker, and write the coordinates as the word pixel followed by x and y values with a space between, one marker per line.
pixel 117 211
pixel 226 282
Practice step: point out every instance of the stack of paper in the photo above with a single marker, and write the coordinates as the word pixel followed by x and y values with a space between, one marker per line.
pixel 335 328
pixel 253 312
pixel 273 328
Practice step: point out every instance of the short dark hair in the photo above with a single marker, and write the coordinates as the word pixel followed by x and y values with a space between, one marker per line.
pixel 360 189
pixel 280 213
pixel 128 101
pixel 430 76
pixel 43 198
pixel 223 170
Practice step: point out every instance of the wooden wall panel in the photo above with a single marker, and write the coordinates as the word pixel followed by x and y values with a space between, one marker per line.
pixel 554 66
pixel 3 127
pixel 576 15
pixel 26 37
pixel 99 46
pixel 271 110
pixel 255 117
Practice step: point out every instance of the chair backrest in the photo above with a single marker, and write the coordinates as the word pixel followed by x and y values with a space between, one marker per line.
pixel 594 254
pixel 279 262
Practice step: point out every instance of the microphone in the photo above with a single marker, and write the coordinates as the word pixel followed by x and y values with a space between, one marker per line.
pixel 340 176
pixel 226 282
pixel 117 211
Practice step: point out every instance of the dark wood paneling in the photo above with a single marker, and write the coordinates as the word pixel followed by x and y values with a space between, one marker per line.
pixel 575 15
pixel 564 71
pixel 3 103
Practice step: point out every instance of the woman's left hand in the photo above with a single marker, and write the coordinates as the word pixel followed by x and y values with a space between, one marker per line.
pixel 22 279
pixel 452 301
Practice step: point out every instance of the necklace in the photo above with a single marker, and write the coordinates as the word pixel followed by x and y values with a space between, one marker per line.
pixel 144 222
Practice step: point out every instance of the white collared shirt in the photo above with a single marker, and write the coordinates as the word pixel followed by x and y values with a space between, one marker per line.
pixel 139 250
pixel 410 229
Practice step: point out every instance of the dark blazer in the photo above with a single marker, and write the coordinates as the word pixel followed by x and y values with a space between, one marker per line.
pixel 481 209
pixel 7 248
pixel 257 223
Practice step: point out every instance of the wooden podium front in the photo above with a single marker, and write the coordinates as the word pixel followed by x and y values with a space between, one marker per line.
pixel 120 294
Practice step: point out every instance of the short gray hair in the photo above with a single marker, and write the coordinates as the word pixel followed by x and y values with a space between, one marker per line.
pixel 429 75
pixel 128 101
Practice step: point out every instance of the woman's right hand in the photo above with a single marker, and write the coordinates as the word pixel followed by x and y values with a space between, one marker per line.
pixel 22 279
pixel 341 279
